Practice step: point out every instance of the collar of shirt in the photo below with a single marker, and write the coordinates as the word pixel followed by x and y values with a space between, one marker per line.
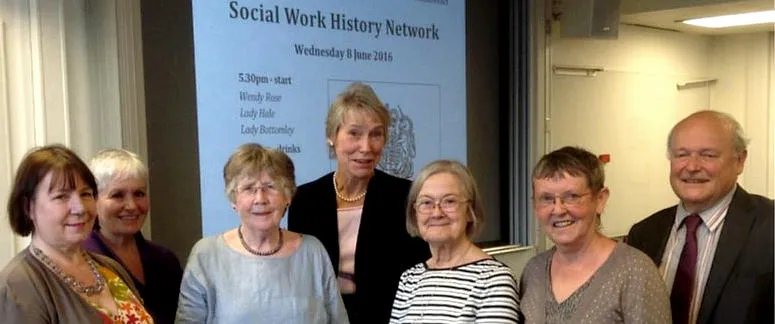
pixel 711 217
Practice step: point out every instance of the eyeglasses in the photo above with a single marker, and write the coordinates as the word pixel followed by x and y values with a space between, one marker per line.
pixel 265 188
pixel 568 199
pixel 449 204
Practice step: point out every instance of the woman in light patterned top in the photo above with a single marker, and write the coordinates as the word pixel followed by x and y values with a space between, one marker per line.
pixel 586 277
pixel 460 283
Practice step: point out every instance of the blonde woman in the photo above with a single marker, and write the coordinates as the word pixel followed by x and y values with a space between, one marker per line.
pixel 356 211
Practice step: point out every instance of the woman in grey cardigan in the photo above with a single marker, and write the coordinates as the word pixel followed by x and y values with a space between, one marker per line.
pixel 54 280
pixel 586 277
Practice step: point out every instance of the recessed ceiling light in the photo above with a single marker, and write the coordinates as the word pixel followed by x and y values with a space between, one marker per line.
pixel 749 18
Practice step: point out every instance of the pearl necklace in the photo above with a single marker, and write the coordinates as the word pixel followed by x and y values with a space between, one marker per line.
pixel 78 286
pixel 342 197
pixel 257 252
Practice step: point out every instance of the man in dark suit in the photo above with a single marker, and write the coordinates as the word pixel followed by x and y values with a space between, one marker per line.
pixel 715 248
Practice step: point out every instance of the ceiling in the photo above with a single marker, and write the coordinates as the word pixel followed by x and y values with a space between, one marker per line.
pixel 667 14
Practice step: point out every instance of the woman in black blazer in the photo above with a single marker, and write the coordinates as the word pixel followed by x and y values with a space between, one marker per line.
pixel 357 211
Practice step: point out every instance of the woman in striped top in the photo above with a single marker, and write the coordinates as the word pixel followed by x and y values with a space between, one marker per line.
pixel 459 283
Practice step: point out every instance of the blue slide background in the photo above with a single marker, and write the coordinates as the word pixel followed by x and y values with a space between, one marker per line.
pixel 425 78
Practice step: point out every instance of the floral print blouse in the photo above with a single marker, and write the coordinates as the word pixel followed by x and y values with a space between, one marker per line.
pixel 130 308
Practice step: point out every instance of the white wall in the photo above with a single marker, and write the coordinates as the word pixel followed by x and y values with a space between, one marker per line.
pixel 627 110
pixel 66 77
pixel 743 66
pixel 36 110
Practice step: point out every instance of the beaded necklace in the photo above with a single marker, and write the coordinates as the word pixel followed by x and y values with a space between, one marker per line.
pixel 342 197
pixel 88 290
pixel 257 252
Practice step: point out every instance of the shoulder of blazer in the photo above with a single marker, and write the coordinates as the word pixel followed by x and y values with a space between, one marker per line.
pixel 312 195
pixel 310 200
pixel 383 182
pixel 742 201
pixel 661 219
pixel 651 234
pixel 322 183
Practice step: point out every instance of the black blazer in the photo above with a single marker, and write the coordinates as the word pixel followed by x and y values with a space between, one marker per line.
pixel 384 249
pixel 740 284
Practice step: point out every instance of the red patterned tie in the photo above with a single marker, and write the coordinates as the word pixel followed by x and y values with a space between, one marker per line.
pixel 683 285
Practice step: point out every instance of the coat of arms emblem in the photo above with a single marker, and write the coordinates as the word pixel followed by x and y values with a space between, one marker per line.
pixel 398 155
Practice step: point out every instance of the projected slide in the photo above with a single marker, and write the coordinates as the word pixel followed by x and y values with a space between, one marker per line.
pixel 267 71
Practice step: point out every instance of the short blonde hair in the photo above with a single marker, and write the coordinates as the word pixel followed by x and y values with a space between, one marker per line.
pixel 356 97
pixel 466 179
pixel 252 159
pixel 116 164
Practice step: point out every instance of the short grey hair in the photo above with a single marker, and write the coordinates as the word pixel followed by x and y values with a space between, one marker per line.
pixel 739 141
pixel 252 159
pixel 116 164
pixel 576 162
pixel 461 172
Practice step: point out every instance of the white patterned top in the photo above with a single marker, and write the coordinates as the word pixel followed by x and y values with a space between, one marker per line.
pixel 483 291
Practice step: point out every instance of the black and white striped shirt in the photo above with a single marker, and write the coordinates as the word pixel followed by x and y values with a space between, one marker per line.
pixel 483 291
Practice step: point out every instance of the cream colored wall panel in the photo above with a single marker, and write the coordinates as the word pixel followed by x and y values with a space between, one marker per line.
pixel 78 64
pixel 516 257
pixel 23 104
pixel 639 50
pixel 19 62
pixel 61 83
pixel 53 72
pixel 628 116
pixel 742 65
pixel 7 242
pixel 757 126
pixel 627 111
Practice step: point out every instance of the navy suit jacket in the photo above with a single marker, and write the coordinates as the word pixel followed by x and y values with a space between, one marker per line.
pixel 740 284
pixel 383 250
